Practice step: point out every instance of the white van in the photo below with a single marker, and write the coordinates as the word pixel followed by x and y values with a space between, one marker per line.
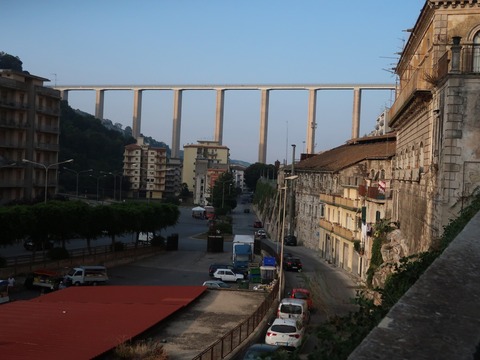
pixel 293 309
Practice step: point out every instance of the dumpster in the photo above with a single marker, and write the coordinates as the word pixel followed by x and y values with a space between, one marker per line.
pixel 215 244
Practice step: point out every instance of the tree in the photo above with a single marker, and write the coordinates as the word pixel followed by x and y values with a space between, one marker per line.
pixel 224 193
pixel 257 170
pixel 10 62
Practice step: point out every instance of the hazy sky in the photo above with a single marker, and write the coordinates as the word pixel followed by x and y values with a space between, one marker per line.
pixel 117 42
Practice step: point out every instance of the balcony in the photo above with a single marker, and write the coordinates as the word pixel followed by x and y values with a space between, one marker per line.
pixel 327 225
pixel 337 229
pixel 417 87
pixel 339 201
pixel 373 192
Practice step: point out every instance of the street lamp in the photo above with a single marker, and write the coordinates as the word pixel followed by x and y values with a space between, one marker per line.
pixel 46 171
pixel 280 276
pixel 77 173
pixel 115 183
pixel 98 180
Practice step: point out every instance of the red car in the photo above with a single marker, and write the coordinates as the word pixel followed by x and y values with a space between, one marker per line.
pixel 304 294
pixel 257 224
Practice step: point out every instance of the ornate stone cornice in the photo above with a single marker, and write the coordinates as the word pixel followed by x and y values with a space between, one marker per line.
pixel 437 4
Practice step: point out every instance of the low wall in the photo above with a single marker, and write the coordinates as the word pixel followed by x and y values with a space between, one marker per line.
pixel 108 259
pixel 439 316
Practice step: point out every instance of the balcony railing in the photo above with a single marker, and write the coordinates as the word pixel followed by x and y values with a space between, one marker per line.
pixel 416 84
pixel 339 201
pixel 373 192
pixel 327 225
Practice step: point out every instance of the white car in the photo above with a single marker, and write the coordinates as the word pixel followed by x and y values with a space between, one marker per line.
pixel 216 284
pixel 285 332
pixel 227 275
pixel 262 234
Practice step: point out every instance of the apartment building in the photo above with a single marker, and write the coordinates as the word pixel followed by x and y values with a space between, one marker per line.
pixel 146 169
pixel 435 116
pixel 238 173
pixel 202 164
pixel 30 128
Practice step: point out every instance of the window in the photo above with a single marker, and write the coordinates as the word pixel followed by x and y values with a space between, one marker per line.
pixel 421 157
pixel 476 52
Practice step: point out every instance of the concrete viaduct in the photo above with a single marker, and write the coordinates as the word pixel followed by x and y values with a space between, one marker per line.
pixel 220 90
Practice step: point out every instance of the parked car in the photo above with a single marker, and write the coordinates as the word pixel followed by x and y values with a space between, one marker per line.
pixel 246 211
pixel 292 264
pixel 257 224
pixel 290 240
pixel 285 332
pixel 303 294
pixel 227 275
pixel 145 238
pixel 293 309
pixel 216 284
pixel 262 352
pixel 213 267
pixel 262 234
pixel 37 245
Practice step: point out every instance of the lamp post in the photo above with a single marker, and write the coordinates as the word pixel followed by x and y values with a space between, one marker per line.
pixel 46 167
pixel 77 173
pixel 98 182
pixel 280 276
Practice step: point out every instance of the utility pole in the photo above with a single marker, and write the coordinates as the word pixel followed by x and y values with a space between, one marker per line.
pixel 291 196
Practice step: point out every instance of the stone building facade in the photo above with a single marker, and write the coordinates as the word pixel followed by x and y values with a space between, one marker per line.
pixel 436 115
pixel 434 169
pixel 339 195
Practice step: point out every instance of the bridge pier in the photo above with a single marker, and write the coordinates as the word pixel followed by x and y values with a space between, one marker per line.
pixel 220 107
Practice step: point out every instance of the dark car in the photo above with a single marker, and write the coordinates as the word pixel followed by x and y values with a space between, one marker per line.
pixel 37 245
pixel 214 267
pixel 262 351
pixel 257 224
pixel 246 211
pixel 293 264
pixel 290 240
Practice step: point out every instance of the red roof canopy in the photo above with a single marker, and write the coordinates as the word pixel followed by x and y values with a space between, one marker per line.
pixel 85 322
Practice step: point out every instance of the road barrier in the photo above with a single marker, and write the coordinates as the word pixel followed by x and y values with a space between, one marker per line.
pixel 233 339
pixel 236 337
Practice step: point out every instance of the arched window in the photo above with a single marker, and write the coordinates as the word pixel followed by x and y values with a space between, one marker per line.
pixel 476 52
pixel 382 174
pixel 372 174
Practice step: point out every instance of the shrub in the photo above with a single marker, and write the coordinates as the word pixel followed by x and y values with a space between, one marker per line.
pixel 58 253
pixel 118 246
pixel 144 349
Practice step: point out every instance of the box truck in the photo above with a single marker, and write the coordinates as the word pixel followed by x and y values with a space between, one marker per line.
pixel 242 252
